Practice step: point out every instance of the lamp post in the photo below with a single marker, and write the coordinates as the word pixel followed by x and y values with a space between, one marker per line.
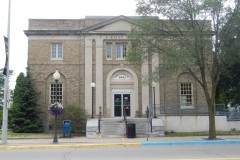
pixel 93 85
pixel 154 104
pixel 56 77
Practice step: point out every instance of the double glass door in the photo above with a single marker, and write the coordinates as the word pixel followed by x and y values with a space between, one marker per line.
pixel 121 104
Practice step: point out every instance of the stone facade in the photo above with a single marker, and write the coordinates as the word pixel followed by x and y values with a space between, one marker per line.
pixel 84 61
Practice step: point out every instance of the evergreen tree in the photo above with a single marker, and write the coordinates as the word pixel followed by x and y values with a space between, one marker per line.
pixel 1 88
pixel 2 85
pixel 2 82
pixel 25 111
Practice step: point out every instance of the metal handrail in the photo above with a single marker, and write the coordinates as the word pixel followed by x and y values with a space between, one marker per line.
pixel 149 116
pixel 233 114
pixel 125 118
pixel 99 119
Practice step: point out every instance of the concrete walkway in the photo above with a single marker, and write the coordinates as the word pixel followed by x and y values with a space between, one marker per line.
pixel 78 142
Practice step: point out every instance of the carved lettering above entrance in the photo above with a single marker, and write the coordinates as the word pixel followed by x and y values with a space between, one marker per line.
pixel 121 76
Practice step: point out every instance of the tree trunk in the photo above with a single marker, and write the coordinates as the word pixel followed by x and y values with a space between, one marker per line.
pixel 212 128
pixel 211 109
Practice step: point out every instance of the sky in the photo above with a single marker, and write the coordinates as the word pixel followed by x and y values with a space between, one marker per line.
pixel 22 10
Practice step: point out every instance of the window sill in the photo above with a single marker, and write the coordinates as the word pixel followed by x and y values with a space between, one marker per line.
pixel 186 107
pixel 56 59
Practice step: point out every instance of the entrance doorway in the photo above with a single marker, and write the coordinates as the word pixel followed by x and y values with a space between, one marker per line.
pixel 122 103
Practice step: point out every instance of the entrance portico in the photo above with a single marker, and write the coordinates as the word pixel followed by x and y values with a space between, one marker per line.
pixel 121 92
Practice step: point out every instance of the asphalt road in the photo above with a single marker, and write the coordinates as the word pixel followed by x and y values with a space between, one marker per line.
pixel 178 152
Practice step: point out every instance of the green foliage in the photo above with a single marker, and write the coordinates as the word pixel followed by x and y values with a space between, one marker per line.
pixel 1 116
pixel 76 114
pixel 187 39
pixel 25 112
pixel 221 97
pixel 229 86
pixel 1 87
pixel 2 80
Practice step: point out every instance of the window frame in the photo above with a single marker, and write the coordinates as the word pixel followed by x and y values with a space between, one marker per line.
pixel 123 51
pixel 186 95
pixel 57 51
pixel 59 93
pixel 109 51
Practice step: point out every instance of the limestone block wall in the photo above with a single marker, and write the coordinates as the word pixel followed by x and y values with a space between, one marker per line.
pixel 197 123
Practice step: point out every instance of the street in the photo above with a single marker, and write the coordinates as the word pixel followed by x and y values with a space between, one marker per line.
pixel 180 152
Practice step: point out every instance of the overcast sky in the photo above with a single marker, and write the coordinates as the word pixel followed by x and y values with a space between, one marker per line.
pixel 22 10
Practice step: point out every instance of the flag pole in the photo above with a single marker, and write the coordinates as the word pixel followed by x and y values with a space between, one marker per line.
pixel 6 84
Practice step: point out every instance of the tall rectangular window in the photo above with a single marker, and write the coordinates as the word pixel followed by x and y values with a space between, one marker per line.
pixel 56 95
pixel 121 51
pixel 56 51
pixel 109 51
pixel 186 97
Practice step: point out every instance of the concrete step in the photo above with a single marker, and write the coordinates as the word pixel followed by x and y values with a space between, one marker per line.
pixel 116 127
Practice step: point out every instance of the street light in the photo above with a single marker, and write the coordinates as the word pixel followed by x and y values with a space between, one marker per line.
pixel 93 85
pixel 56 77
pixel 154 104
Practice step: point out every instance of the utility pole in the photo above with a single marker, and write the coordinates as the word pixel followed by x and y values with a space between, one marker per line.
pixel 6 85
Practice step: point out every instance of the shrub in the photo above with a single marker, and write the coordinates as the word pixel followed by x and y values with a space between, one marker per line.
pixel 76 114
pixel 1 115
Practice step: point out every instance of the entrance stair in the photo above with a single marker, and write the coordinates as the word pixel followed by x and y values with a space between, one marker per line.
pixel 116 127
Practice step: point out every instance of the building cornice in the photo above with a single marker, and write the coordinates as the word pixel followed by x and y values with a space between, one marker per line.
pixel 51 32
pixel 70 32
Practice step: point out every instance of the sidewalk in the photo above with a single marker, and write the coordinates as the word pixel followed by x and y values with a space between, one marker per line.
pixel 78 142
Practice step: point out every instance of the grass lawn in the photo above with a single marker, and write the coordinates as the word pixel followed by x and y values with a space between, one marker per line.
pixel 167 134
pixel 28 135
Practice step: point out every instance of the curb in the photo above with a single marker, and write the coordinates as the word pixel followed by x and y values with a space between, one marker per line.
pixel 71 146
pixel 142 144
pixel 207 142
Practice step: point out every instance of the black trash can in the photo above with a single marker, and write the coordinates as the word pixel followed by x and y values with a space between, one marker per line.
pixel 131 130
pixel 67 127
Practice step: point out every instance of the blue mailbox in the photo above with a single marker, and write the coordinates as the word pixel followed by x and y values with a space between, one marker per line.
pixel 67 127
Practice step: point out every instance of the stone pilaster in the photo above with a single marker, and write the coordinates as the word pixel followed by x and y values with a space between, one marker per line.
pixel 88 74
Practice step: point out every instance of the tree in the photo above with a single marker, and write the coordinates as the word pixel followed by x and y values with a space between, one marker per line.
pixel 25 111
pixel 2 86
pixel 186 38
pixel 2 80
pixel 229 86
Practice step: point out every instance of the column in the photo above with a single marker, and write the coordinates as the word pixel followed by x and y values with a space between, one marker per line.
pixel 155 63
pixel 88 74
pixel 145 88
pixel 99 74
